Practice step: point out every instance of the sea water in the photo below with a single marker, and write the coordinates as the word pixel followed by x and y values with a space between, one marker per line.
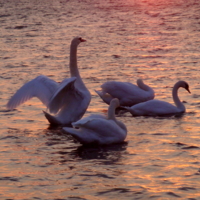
pixel 155 40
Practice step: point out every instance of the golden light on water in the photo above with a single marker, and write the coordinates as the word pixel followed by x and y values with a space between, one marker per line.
pixel 156 40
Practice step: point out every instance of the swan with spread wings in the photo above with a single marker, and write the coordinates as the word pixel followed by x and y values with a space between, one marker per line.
pixel 67 100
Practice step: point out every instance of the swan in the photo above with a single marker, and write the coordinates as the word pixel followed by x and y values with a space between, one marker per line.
pixel 68 100
pixel 127 93
pixel 98 129
pixel 158 108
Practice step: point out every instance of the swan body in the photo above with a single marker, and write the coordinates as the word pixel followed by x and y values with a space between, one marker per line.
pixel 98 129
pixel 127 93
pixel 68 100
pixel 159 108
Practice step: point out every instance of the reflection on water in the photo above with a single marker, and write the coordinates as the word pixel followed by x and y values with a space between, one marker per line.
pixel 155 40
pixel 110 154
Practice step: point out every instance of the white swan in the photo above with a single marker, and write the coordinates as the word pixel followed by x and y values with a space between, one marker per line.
pixel 127 93
pixel 67 100
pixel 158 108
pixel 99 129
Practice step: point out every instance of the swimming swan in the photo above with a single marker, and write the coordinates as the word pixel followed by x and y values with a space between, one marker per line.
pixel 127 93
pixel 67 100
pixel 99 129
pixel 158 108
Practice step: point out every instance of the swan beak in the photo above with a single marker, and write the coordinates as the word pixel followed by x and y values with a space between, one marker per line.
pixel 82 40
pixel 188 90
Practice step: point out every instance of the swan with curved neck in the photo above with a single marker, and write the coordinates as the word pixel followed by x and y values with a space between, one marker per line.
pixel 67 100
pixel 127 93
pixel 158 108
pixel 99 129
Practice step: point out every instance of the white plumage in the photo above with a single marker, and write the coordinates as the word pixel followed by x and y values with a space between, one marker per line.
pixel 41 87
pixel 159 108
pixel 99 129
pixel 127 93
pixel 67 100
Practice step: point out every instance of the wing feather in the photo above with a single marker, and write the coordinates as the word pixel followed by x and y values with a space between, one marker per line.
pixel 84 121
pixel 41 87
pixel 60 96
pixel 115 88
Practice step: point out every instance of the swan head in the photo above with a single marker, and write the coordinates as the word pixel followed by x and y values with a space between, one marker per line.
pixel 187 87
pixel 184 84
pixel 115 102
pixel 77 40
pixel 140 82
pixel 111 109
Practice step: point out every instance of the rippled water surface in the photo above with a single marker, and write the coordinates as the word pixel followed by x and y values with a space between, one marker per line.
pixel 156 40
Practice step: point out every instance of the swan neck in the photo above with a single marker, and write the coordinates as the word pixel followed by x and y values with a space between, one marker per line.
pixel 73 61
pixel 176 99
pixel 143 86
pixel 111 115
pixel 111 112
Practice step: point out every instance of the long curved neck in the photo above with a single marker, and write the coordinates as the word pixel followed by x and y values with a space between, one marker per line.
pixel 111 112
pixel 143 86
pixel 111 115
pixel 73 61
pixel 176 99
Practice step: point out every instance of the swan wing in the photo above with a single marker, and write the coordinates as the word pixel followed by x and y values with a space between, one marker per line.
pixel 114 87
pixel 127 93
pixel 41 87
pixel 59 98
pixel 97 130
pixel 86 120
pixel 101 127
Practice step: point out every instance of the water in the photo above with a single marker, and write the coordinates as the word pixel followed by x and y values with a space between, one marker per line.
pixel 156 40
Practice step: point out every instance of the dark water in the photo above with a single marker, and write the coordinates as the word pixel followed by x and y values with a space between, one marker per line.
pixel 156 40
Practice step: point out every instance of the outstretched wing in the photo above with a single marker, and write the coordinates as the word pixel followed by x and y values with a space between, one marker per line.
pixel 41 87
pixel 59 97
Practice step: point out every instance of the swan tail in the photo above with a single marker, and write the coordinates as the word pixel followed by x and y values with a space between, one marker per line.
pixel 104 96
pixel 99 93
pixel 75 133
pixel 52 120
pixel 128 109
pixel 125 107
pixel 70 131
